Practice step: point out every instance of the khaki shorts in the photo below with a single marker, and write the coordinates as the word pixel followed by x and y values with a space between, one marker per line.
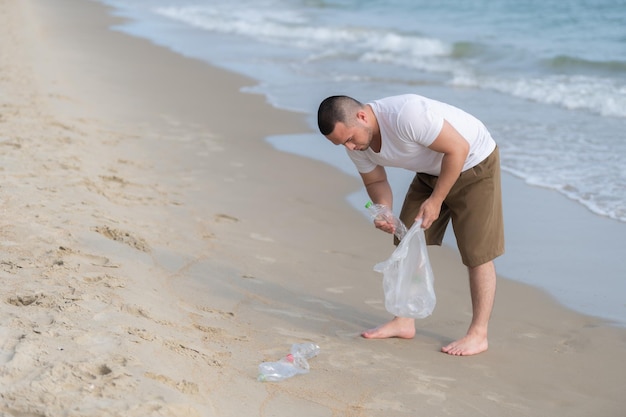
pixel 474 205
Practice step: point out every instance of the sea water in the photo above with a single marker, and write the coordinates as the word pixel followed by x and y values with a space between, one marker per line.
pixel 547 77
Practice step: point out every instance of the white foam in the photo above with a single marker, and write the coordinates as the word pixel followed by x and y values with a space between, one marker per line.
pixel 603 96
pixel 292 29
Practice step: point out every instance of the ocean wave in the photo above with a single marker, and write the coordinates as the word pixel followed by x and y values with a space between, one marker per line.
pixel 598 95
pixel 577 161
pixel 292 29
pixel 464 62
pixel 565 63
pixel 603 202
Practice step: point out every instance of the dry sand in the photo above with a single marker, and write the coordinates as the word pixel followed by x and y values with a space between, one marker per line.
pixel 154 250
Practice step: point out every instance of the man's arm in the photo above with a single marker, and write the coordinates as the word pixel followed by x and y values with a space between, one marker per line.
pixel 455 149
pixel 377 186
pixel 379 191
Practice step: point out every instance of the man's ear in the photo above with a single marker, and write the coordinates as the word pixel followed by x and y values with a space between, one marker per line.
pixel 361 115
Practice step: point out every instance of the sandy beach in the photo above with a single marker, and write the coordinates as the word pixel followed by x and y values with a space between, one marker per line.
pixel 154 249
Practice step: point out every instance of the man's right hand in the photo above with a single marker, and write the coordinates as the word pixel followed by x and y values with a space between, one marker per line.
pixel 429 212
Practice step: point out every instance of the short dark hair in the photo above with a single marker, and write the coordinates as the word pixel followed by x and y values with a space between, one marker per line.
pixel 336 109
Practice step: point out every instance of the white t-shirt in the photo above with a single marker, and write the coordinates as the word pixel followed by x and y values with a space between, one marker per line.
pixel 409 124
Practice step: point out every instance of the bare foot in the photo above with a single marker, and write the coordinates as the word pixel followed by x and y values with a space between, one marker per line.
pixel 468 345
pixel 401 327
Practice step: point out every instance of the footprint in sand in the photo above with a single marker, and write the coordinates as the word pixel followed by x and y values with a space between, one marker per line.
pixel 68 254
pixel 66 301
pixel 123 237
pixel 104 279
pixel 23 299
pixel 183 386
pixel 225 218
pixel 213 360
pixel 214 331
pixel 10 266
pixel 114 179
pixel 224 314
pixel 136 311
pixel 143 334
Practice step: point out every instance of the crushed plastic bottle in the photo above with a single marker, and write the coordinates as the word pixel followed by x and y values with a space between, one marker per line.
pixel 305 350
pixel 277 371
pixel 382 212
pixel 295 363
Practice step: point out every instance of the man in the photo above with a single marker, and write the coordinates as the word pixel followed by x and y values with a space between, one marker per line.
pixel 457 178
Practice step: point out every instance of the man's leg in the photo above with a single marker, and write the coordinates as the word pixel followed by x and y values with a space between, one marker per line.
pixel 404 327
pixel 483 292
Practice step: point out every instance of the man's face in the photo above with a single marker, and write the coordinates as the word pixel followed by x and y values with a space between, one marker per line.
pixel 357 137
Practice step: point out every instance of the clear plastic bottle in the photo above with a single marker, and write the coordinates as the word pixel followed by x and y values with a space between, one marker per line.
pixel 294 363
pixel 382 212
pixel 283 369
pixel 306 350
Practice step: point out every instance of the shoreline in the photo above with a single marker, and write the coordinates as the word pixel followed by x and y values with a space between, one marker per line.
pixel 553 243
pixel 560 246
pixel 156 250
pixel 567 283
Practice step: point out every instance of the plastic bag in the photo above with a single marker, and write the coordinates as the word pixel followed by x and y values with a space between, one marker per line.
pixel 408 277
